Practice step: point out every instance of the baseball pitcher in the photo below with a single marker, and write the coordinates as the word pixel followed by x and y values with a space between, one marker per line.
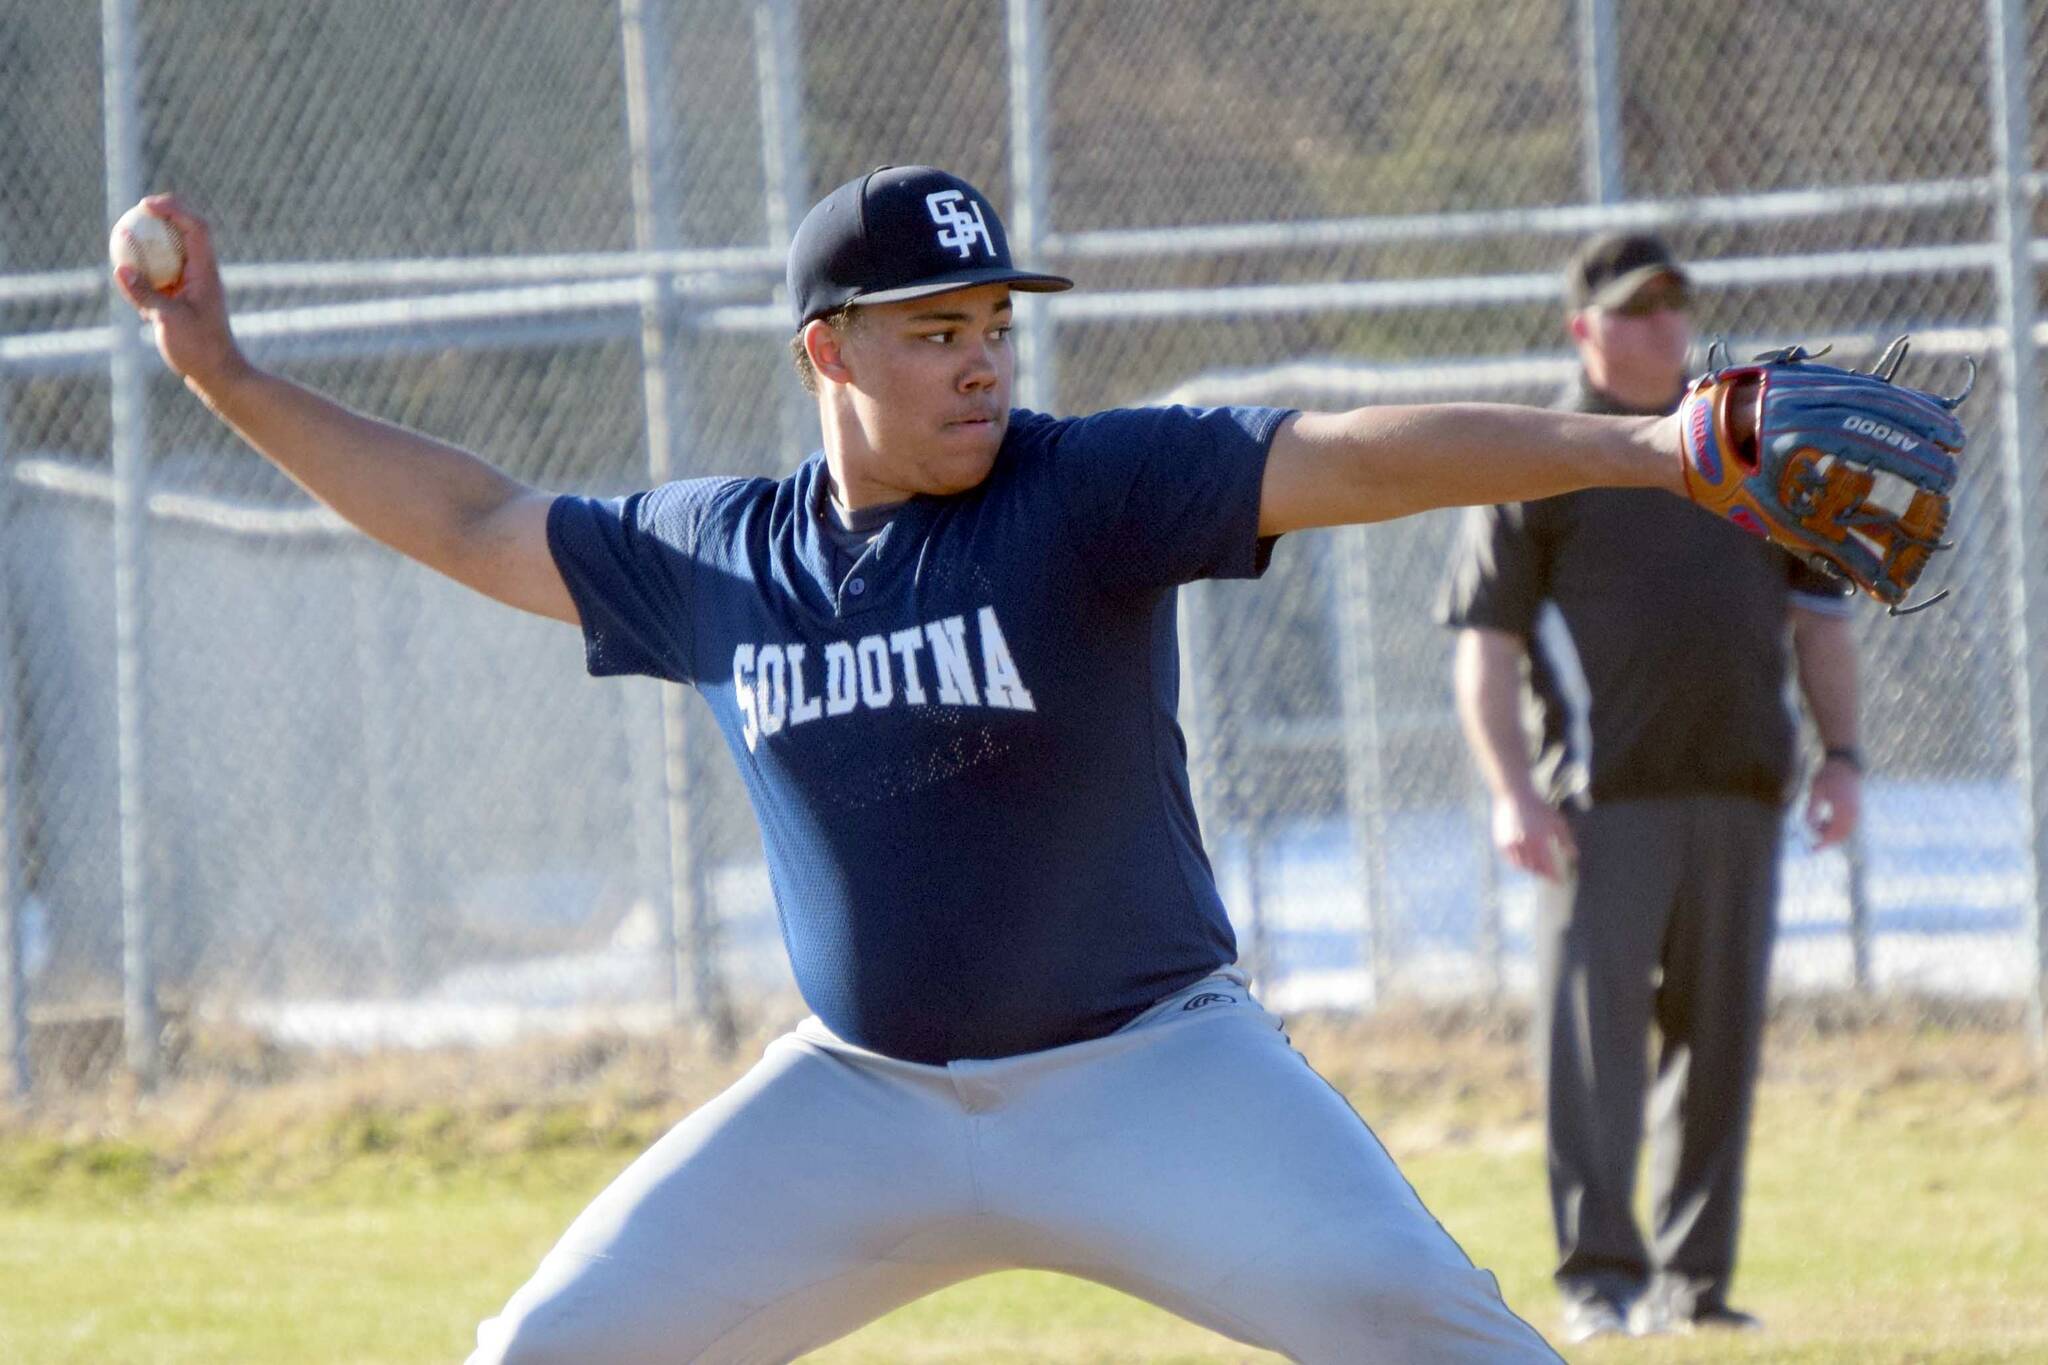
pixel 942 654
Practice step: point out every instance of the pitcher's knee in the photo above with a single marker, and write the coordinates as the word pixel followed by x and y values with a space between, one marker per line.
pixel 572 1311
pixel 1414 1297
pixel 537 1335
pixel 1397 1276
pixel 590 1311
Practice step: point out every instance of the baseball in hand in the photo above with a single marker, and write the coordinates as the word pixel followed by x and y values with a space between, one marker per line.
pixel 152 246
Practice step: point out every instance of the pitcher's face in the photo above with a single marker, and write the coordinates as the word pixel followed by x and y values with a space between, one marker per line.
pixel 929 382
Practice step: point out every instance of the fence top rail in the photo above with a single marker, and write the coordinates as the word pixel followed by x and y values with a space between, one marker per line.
pixel 1334 379
pixel 1546 220
pixel 86 484
pixel 1340 379
pixel 466 272
pixel 76 347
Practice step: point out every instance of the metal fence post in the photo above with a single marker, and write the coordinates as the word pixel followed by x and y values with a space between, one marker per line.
pixel 1860 930
pixel 657 227
pixel 2019 411
pixel 778 62
pixel 785 172
pixel 1260 960
pixel 14 1068
pixel 1194 715
pixel 130 413
pixel 1365 788
pixel 379 710
pixel 1600 83
pixel 1492 911
pixel 1029 172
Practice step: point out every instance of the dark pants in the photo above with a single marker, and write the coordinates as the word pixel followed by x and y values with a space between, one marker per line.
pixel 1669 921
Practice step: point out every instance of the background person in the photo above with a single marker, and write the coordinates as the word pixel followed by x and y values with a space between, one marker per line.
pixel 1655 641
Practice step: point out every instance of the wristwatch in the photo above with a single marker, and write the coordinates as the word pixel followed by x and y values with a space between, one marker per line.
pixel 1844 753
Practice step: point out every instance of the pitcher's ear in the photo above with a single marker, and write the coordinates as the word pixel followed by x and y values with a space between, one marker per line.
pixel 826 346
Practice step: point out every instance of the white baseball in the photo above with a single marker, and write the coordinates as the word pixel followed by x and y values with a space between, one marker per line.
pixel 151 245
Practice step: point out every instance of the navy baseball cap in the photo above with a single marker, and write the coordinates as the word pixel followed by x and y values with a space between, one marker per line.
pixel 901 232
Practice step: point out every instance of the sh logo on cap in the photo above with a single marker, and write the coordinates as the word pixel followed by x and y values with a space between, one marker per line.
pixel 897 233
pixel 959 227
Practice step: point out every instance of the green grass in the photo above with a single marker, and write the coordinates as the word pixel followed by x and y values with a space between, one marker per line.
pixel 1896 1214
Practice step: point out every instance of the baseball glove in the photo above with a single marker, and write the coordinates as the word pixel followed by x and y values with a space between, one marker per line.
pixel 1850 471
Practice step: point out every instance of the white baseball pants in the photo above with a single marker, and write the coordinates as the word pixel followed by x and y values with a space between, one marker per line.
pixel 1192 1159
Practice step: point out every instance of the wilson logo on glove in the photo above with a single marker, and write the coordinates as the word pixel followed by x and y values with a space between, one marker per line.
pixel 1851 471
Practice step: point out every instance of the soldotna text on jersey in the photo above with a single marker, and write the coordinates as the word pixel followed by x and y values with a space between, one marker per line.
pixel 777 685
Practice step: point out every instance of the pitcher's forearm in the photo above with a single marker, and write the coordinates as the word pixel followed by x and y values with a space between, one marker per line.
pixel 417 495
pixel 1458 454
pixel 1377 463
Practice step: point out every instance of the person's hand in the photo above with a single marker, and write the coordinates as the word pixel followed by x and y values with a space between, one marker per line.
pixel 191 327
pixel 1533 836
pixel 1834 802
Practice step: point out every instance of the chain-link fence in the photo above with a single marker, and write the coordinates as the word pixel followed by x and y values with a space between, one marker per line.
pixel 255 772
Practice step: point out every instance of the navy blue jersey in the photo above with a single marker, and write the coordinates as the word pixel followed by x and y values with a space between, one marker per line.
pixel 963 751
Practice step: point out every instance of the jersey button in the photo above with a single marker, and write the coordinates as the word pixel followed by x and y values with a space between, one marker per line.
pixel 856 586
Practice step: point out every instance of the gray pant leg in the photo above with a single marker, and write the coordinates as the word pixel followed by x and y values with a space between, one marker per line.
pixel 1197 1162
pixel 814 1195
pixel 1710 1016
pixel 1599 938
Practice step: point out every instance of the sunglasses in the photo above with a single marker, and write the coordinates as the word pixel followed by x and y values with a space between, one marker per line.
pixel 1656 297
